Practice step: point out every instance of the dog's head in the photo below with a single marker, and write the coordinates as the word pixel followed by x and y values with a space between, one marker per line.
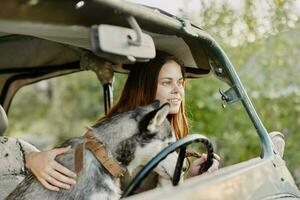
pixel 153 133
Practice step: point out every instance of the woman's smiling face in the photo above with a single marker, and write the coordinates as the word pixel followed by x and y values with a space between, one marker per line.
pixel 170 86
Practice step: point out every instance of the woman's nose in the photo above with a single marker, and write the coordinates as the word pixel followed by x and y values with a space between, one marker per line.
pixel 175 88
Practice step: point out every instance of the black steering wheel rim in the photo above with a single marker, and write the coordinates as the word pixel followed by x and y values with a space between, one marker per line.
pixel 182 144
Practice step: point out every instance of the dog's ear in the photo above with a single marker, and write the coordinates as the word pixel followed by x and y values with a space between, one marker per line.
pixel 155 118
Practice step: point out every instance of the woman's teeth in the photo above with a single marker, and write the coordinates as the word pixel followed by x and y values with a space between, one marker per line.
pixel 174 101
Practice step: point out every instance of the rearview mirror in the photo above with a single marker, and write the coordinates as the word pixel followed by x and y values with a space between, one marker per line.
pixel 121 45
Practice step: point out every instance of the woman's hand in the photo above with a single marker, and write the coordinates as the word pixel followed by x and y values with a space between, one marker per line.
pixel 195 166
pixel 50 173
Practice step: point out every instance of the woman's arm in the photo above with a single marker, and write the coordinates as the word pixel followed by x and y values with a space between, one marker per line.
pixel 50 173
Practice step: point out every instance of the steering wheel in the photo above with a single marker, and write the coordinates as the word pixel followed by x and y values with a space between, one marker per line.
pixel 181 144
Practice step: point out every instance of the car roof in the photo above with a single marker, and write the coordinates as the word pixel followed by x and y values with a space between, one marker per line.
pixel 65 25
pixel 44 39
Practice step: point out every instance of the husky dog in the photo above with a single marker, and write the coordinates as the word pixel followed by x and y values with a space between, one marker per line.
pixel 131 139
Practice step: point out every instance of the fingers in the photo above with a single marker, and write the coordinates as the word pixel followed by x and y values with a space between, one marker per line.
pixel 55 183
pixel 52 178
pixel 62 150
pixel 50 173
pixel 60 176
pixel 62 179
pixel 217 157
pixel 47 185
pixel 203 159
pixel 58 167
pixel 214 166
pixel 200 160
pixel 194 169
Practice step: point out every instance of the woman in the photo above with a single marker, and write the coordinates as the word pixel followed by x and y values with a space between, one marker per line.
pixel 162 78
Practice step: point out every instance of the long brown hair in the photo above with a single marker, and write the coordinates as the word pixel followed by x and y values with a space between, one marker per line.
pixel 140 90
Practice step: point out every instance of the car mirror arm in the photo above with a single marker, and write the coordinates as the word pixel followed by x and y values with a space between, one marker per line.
pixel 138 31
pixel 105 75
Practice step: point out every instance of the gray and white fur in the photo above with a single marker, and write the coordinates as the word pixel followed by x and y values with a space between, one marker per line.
pixel 131 138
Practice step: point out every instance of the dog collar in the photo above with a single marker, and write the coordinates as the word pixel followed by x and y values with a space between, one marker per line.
pixel 98 149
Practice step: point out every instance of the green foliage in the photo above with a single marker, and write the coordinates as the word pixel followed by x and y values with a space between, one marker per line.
pixel 58 109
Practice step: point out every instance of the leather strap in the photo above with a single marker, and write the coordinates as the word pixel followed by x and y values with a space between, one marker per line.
pixel 79 157
pixel 98 149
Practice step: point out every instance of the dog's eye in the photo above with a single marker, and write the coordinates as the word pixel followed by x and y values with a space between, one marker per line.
pixel 169 143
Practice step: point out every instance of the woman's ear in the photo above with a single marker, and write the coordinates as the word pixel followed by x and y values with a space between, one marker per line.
pixel 157 118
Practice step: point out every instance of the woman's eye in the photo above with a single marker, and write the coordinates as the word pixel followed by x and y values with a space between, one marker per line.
pixel 166 83
pixel 180 83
